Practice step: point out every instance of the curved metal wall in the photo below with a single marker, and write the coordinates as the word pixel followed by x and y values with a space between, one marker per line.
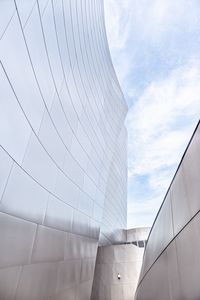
pixel 62 147
pixel 112 260
pixel 171 266
pixel 125 260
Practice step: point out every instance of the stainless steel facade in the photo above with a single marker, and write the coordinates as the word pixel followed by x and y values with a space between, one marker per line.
pixel 119 260
pixel 123 260
pixel 171 265
pixel 62 148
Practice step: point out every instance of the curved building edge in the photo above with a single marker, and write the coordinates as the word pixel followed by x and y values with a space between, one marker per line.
pixel 63 157
pixel 171 267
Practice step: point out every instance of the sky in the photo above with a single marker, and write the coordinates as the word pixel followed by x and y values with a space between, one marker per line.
pixel 155 48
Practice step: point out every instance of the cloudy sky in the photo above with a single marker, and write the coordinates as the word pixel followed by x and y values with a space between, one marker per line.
pixel 155 47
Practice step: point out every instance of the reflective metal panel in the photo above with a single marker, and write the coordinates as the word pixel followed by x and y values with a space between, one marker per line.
pixel 63 162
pixel 114 261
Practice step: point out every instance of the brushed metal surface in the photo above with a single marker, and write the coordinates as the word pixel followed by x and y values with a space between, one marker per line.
pixel 63 154
pixel 125 260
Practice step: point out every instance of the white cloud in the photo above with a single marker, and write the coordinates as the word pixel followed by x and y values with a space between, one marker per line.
pixel 135 29
pixel 117 22
pixel 147 18
pixel 155 123
pixel 141 215
pixel 160 125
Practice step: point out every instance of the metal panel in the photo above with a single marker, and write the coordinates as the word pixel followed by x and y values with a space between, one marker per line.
pixel 158 240
pixel 69 294
pixel 84 290
pixel 39 164
pixel 39 59
pixel 51 140
pixel 80 224
pixel 87 269
pixel 192 173
pixel 28 203
pixel 112 260
pixel 8 282
pixel 188 259
pixel 68 274
pixel 17 238
pixel 63 155
pixel 173 271
pixel 180 202
pixel 14 128
pixel 37 281
pixel 7 10
pixel 58 215
pixel 13 52
pixel 6 165
pixel 66 190
pixel 49 245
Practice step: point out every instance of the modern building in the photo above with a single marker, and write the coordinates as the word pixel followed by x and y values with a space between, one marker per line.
pixel 171 265
pixel 63 167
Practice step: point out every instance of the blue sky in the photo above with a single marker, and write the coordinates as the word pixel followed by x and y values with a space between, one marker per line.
pixel 155 47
